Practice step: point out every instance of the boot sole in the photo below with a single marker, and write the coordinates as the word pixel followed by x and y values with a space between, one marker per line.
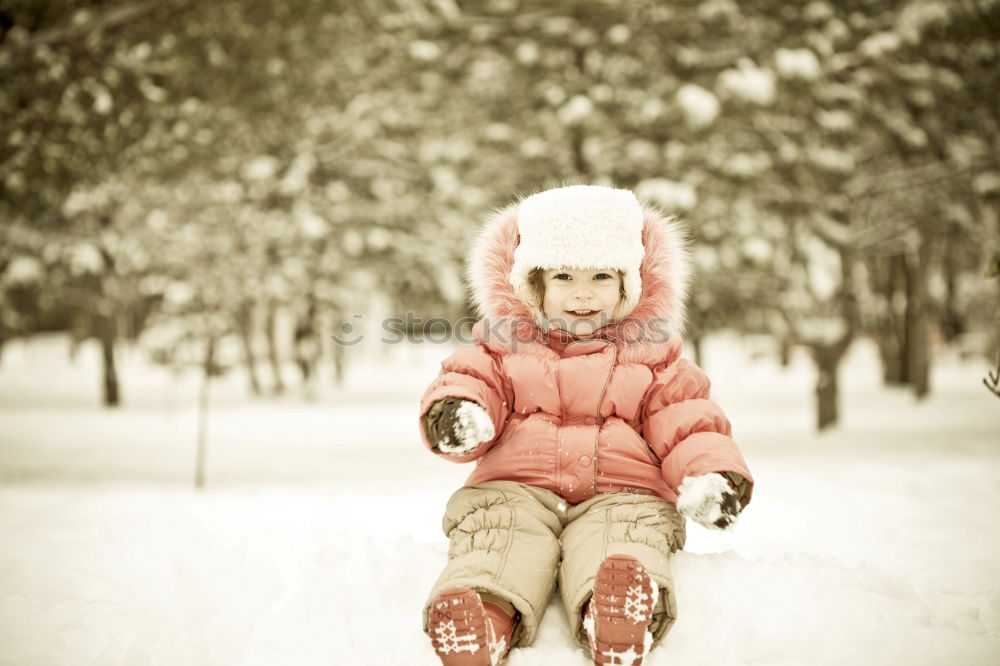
pixel 623 601
pixel 457 627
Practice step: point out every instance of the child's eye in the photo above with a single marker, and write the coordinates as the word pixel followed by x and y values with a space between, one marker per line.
pixel 603 276
pixel 561 276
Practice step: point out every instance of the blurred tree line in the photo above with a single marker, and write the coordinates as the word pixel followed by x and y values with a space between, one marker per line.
pixel 192 175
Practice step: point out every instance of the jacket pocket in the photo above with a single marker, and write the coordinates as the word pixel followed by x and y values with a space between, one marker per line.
pixel 653 458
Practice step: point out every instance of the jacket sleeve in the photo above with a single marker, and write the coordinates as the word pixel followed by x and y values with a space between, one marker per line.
pixel 471 373
pixel 688 431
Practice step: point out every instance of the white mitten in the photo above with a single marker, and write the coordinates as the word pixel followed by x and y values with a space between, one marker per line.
pixel 708 500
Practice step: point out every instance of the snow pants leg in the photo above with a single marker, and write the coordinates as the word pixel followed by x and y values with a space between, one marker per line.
pixel 504 541
pixel 647 528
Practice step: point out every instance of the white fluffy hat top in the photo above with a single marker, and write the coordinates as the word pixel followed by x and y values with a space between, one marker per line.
pixel 580 226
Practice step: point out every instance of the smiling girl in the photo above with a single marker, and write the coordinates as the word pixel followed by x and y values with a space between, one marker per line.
pixel 591 443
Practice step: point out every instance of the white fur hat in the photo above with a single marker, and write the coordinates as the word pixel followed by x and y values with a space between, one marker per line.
pixel 580 226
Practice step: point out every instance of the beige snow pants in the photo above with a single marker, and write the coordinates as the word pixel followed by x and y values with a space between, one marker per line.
pixel 510 541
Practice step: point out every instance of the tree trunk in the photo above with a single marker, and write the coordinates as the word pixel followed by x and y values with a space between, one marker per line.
pixel 952 322
pixel 272 349
pixel 106 334
pixel 918 357
pixel 785 351
pixel 338 349
pixel 339 364
pixel 828 355
pixel 307 346
pixel 243 327
pixel 827 359
pixel 202 450
pixel 894 340
pixel 698 349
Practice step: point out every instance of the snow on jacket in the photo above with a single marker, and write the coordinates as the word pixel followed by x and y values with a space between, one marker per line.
pixel 618 411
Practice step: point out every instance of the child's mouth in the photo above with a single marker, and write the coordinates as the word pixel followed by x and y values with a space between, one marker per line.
pixel 582 313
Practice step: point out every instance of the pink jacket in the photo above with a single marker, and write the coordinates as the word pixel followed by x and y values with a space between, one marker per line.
pixel 618 411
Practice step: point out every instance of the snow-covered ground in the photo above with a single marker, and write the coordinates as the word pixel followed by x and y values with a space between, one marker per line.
pixel 319 532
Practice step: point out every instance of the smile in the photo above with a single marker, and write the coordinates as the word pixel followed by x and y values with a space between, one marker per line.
pixel 582 313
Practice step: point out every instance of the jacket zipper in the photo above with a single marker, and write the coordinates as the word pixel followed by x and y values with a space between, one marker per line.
pixel 600 419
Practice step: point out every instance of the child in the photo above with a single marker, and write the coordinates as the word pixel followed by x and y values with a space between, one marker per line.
pixel 592 436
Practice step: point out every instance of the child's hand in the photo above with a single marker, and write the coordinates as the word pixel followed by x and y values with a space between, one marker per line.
pixel 708 500
pixel 460 426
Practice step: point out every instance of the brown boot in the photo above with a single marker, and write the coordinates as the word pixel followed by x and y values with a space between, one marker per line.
pixel 618 615
pixel 467 632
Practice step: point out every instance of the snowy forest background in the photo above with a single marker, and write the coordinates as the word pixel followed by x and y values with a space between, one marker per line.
pixel 229 183
pixel 199 199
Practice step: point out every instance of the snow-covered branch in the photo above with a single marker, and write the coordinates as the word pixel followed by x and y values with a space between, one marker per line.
pixel 83 24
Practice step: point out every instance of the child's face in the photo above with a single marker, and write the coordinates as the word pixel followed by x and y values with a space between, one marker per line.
pixel 581 300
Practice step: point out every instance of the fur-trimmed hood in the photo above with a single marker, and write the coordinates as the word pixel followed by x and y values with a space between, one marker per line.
pixel 660 311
